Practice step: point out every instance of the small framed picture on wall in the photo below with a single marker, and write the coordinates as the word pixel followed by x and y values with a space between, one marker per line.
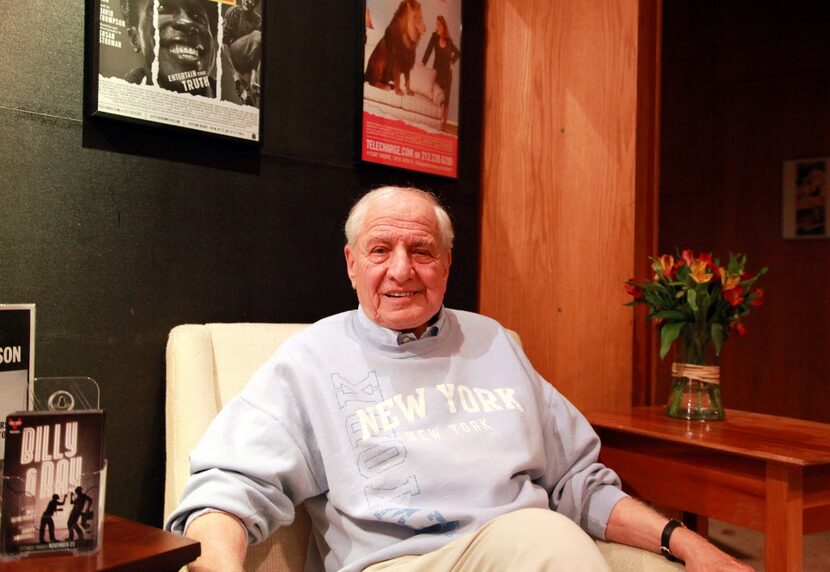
pixel 191 64
pixel 806 204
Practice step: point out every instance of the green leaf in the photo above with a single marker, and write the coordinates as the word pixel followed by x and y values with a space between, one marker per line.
pixel 670 315
pixel 652 287
pixel 704 301
pixel 737 262
pixel 692 298
pixel 651 298
pixel 669 333
pixel 717 337
pixel 747 284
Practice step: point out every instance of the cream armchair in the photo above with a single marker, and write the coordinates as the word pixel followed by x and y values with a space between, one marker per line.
pixel 207 364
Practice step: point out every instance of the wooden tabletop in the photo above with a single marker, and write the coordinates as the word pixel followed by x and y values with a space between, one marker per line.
pixel 755 435
pixel 128 546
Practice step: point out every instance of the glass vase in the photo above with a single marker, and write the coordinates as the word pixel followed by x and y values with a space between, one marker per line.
pixel 695 391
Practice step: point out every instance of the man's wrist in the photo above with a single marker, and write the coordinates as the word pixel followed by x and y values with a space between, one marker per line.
pixel 665 539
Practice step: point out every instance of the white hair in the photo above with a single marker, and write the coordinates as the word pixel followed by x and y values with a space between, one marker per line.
pixel 354 224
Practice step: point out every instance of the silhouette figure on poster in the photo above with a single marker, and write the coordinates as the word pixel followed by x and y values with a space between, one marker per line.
pixel 46 521
pixel 81 509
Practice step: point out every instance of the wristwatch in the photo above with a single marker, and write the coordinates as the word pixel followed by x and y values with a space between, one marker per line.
pixel 666 536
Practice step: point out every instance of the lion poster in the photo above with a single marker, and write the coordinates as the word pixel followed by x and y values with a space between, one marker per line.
pixel 411 80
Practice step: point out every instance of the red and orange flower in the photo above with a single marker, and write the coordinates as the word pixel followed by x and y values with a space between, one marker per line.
pixel 695 298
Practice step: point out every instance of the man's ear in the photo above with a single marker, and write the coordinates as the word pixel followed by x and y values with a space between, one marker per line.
pixel 449 263
pixel 350 262
pixel 135 42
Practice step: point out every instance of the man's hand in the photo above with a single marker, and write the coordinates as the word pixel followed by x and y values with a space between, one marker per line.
pixel 635 524
pixel 701 555
pixel 224 542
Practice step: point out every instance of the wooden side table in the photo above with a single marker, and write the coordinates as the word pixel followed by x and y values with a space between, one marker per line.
pixel 128 546
pixel 762 472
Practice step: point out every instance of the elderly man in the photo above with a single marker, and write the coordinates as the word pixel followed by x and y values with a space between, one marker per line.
pixel 419 438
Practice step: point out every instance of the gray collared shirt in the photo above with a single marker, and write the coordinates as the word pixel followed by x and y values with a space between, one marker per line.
pixel 400 338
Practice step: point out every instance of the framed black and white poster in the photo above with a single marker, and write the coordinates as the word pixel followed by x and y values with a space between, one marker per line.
pixel 806 198
pixel 193 64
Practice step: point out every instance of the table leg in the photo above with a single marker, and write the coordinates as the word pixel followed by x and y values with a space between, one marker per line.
pixel 697 522
pixel 783 551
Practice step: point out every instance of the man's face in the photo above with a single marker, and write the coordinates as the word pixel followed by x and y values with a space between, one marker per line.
pixel 398 264
pixel 186 42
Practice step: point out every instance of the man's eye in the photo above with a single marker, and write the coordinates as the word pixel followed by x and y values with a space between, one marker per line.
pixel 170 7
pixel 379 250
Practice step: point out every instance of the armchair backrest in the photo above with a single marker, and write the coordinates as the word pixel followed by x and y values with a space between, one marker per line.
pixel 208 364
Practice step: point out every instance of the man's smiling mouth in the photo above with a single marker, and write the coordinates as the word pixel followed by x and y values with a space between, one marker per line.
pixel 399 294
pixel 186 51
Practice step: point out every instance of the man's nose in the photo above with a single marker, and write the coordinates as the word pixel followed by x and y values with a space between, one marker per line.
pixel 400 266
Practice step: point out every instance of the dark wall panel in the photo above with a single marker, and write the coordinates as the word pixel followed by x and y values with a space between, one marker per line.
pixel 42 56
pixel 745 87
pixel 119 232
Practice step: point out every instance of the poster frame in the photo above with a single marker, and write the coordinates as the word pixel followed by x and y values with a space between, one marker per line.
pixel 94 108
pixel 397 151
pixel 805 205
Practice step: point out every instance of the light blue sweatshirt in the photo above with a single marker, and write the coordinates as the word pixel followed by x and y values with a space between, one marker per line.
pixel 396 448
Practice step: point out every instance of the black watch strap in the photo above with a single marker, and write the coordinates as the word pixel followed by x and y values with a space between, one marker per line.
pixel 666 536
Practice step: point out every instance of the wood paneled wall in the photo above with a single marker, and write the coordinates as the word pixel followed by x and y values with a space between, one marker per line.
pixel 559 188
pixel 746 87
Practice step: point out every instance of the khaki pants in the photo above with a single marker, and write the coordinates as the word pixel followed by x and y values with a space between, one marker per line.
pixel 528 540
